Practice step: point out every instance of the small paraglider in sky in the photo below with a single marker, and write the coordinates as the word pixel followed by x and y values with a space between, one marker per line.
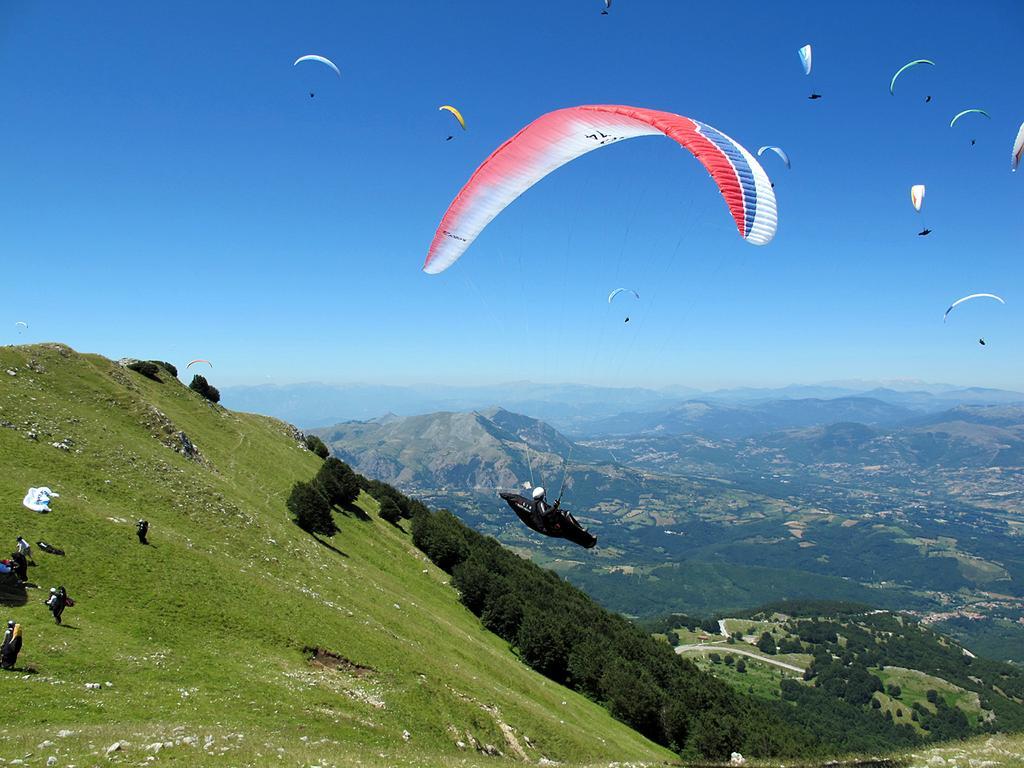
pixel 982 342
pixel 927 99
pixel 904 68
pixel 917 196
pixel 959 115
pixel 199 361
pixel 924 232
pixel 617 291
pixel 323 60
pixel 971 297
pixel 778 151
pixel 457 115
pixel 607 7
pixel 1018 149
pixel 805 58
pixel 21 325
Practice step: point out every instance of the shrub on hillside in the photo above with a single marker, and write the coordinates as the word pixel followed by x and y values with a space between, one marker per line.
pixel 715 734
pixel 146 368
pixel 542 646
pixel 503 614
pixel 389 511
pixel 337 482
pixel 171 369
pixel 311 510
pixel 316 445
pixel 203 387
pixel 441 537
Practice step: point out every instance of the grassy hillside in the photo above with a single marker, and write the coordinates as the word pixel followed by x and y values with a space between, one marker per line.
pixel 200 641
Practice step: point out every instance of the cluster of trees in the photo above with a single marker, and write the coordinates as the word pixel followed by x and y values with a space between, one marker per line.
pixel 151 368
pixel 729 660
pixel 845 727
pixel 206 389
pixel 945 722
pixel 559 631
pixel 315 445
pixel 334 485
pixel 875 640
pixel 850 682
pixel 337 485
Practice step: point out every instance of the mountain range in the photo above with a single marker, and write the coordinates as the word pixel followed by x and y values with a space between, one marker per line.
pixel 569 407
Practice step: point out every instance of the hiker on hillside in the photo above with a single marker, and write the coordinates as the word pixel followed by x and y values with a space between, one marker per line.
pixel 141 529
pixel 58 601
pixel 26 549
pixel 11 646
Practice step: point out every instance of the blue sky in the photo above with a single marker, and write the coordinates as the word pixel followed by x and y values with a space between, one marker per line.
pixel 171 191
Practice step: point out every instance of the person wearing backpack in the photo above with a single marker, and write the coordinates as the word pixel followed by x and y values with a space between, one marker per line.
pixel 11 646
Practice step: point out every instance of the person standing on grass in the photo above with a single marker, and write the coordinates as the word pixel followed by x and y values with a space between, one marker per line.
pixel 141 529
pixel 11 646
pixel 58 601
pixel 26 549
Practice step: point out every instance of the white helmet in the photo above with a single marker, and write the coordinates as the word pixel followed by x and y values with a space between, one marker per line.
pixel 538 493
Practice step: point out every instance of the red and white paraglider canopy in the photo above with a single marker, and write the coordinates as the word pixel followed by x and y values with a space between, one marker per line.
pixel 554 139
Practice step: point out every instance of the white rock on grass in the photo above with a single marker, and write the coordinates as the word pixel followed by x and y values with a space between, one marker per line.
pixel 116 747
pixel 64 733
pixel 51 761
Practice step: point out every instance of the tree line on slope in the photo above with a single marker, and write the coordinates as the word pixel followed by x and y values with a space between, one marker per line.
pixel 562 633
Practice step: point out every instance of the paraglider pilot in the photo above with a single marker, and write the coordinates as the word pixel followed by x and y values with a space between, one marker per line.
pixel 141 529
pixel 547 515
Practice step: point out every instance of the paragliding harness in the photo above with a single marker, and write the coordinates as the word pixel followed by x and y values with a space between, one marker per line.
pixel 49 548
pixel 554 521
pixel 567 526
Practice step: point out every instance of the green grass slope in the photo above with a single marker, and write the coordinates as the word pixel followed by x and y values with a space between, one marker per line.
pixel 202 636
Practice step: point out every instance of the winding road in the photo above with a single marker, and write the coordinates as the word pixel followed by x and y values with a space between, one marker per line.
pixel 681 649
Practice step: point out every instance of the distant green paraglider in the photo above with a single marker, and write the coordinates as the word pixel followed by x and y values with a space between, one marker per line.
pixel 958 115
pixel 904 68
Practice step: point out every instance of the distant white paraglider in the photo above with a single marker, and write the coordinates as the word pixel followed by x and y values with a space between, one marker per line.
pixel 958 302
pixel 805 58
pixel 322 59
pixel 1018 149
pixel 917 196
